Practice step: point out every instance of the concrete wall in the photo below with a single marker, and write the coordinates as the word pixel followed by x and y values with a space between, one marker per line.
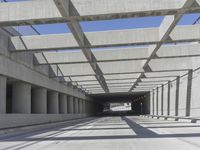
pixel 17 120
pixel 182 97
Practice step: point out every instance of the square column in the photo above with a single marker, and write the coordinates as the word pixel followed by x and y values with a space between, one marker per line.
pixel 70 105
pixel 62 104
pixel 3 94
pixel 177 96
pixel 52 102
pixel 39 100
pixel 189 92
pixel 21 98
pixel 168 99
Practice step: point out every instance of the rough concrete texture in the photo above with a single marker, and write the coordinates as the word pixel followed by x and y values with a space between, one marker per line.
pixel 21 98
pixel 110 133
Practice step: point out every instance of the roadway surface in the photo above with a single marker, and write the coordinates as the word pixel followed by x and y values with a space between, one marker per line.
pixel 109 133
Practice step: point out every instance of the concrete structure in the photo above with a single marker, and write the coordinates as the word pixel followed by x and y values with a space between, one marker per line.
pixel 39 100
pixel 21 102
pixel 109 133
pixel 156 69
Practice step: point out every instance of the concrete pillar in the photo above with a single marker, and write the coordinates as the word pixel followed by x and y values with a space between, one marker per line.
pixel 189 92
pixel 83 106
pixel 21 98
pixel 3 94
pixel 52 102
pixel 177 96
pixel 70 105
pixel 168 99
pixel 62 104
pixel 80 106
pixel 162 98
pixel 66 107
pixel 39 100
pixel 153 103
pixel 76 105
pixel 157 101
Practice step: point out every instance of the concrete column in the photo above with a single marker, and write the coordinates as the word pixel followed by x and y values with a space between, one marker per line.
pixel 157 101
pixel 76 105
pixel 62 104
pixel 83 106
pixel 66 107
pixel 189 92
pixel 162 97
pixel 168 99
pixel 153 103
pixel 52 102
pixel 21 98
pixel 177 96
pixel 39 100
pixel 80 106
pixel 70 105
pixel 3 94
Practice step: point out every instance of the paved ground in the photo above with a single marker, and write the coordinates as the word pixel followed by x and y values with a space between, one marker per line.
pixel 110 133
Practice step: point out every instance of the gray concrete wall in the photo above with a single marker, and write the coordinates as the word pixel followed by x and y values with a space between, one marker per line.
pixel 17 120
pixel 182 97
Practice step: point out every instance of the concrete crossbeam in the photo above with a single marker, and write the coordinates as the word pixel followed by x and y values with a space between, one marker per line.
pixel 173 64
pixel 88 10
pixel 125 54
pixel 105 38
pixel 65 9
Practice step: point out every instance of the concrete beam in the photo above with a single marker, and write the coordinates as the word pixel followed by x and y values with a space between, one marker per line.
pixel 104 39
pixel 81 39
pixel 125 54
pixel 88 10
pixel 165 29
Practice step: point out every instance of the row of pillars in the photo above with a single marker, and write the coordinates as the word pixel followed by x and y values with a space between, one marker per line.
pixel 188 97
pixel 27 99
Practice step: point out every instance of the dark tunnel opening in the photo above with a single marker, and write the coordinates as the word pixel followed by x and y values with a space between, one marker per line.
pixel 139 103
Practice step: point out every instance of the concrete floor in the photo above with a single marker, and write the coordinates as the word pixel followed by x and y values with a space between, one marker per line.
pixel 110 133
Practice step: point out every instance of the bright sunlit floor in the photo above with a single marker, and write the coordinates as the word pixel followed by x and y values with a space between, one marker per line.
pixel 110 133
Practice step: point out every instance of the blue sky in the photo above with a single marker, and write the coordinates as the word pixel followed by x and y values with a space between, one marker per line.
pixel 117 24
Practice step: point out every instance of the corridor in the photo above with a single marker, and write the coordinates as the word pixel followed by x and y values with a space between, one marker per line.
pixel 109 133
